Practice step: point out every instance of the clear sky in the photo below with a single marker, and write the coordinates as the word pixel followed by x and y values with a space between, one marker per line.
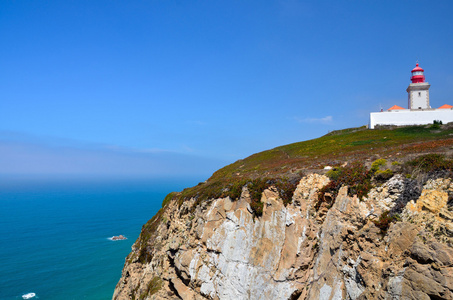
pixel 185 87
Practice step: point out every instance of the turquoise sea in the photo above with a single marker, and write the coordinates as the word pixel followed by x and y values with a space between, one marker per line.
pixel 54 233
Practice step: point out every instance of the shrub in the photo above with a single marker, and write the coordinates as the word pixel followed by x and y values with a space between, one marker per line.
pixel 153 286
pixel 233 188
pixel 356 177
pixel 383 174
pixel 256 188
pixel 234 191
pixel 380 175
pixel 334 173
pixel 257 207
pixel 377 164
pixel 431 162
pixel 286 188
pixel 436 124
pixel 384 221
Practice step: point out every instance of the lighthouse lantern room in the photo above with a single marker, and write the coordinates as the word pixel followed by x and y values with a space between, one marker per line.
pixel 418 90
pixel 417 75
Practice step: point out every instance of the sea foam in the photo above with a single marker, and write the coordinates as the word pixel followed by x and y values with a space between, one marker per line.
pixel 28 296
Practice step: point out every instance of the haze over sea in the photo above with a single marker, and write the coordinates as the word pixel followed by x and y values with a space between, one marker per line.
pixel 54 232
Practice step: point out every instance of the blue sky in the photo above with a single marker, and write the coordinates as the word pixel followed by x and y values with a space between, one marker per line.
pixel 185 87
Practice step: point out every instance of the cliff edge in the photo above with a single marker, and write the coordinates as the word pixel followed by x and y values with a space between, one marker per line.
pixel 378 225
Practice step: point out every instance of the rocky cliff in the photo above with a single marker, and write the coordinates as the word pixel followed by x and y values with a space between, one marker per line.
pixel 219 250
pixel 394 242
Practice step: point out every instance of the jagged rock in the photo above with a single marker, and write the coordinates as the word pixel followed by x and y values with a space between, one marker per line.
pixel 220 250
pixel 118 237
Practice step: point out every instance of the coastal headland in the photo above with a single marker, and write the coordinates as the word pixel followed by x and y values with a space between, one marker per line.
pixel 355 214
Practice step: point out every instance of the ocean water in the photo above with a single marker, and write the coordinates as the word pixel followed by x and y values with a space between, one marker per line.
pixel 54 233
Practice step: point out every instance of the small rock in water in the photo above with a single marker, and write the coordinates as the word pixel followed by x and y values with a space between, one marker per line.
pixel 118 237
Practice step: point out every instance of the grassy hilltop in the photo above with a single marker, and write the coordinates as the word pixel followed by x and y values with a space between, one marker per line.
pixel 339 146
pixel 283 166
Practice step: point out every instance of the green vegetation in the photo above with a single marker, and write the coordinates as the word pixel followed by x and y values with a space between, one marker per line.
pixel 378 173
pixel 377 164
pixel 436 124
pixel 233 188
pixel 283 166
pixel 168 198
pixel 382 175
pixel 431 162
pixel 153 286
pixel 356 176
pixel 256 188
pixel 384 221
pixel 346 145
pixel 147 235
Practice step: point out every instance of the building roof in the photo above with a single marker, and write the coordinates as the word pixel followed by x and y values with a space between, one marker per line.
pixel 446 106
pixel 395 107
pixel 417 68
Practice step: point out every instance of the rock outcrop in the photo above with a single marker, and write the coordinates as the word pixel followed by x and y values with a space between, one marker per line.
pixel 218 249
pixel 118 238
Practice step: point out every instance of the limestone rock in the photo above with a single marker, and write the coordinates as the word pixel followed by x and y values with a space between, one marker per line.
pixel 220 250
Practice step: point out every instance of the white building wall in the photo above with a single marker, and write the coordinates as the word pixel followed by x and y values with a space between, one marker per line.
pixel 408 117
pixel 419 99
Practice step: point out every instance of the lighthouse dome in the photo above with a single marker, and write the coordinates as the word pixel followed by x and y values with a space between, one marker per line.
pixel 417 75
pixel 417 69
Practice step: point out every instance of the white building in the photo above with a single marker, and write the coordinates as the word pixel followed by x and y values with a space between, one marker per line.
pixel 419 111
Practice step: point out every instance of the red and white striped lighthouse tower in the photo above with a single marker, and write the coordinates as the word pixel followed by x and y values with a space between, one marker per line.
pixel 418 90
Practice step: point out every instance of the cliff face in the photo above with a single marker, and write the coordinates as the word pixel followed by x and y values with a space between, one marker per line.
pixel 219 249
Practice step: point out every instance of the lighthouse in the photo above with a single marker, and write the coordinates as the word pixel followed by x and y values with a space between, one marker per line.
pixel 418 90
pixel 420 111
